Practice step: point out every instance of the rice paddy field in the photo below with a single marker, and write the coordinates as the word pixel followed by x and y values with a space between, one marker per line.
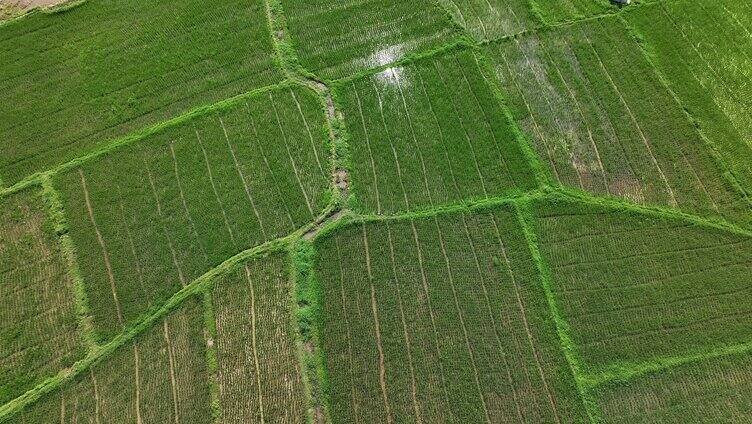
pixel 375 211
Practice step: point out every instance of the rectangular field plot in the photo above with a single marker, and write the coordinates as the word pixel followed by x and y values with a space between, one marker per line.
pixel 72 80
pixel 259 372
pixel 160 378
pixel 430 133
pixel 441 319
pixel 557 11
pixel 603 121
pixel 335 39
pixel 150 217
pixel 38 333
pixel 716 390
pixel 705 51
pixel 636 288
pixel 491 19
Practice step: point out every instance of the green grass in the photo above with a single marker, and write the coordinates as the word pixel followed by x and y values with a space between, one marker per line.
pixel 703 51
pixel 716 390
pixel 258 372
pixel 38 327
pixel 429 133
pixel 603 121
pixel 439 318
pixel 74 79
pixel 491 19
pixel 160 377
pixel 338 39
pixel 150 217
pixel 637 289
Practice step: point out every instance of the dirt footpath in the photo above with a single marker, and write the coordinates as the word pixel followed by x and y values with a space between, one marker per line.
pixel 11 8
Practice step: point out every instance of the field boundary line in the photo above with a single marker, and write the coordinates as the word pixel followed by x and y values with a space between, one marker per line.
pixel 340 218
pixel 305 294
pixel 624 372
pixel 567 345
pixel 459 26
pixel 139 135
pixel 349 217
pixel 523 316
pixel 304 286
pixel 292 66
pixel 134 329
pixel 718 224
pixel 210 338
pixel 56 213
pixel 726 172
pixel 284 47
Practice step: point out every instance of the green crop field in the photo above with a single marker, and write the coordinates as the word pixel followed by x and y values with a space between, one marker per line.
pixel 603 121
pixel 494 19
pixel 635 289
pixel 711 81
pixel 259 377
pixel 38 333
pixel 557 11
pixel 339 39
pixel 375 211
pixel 73 80
pixel 713 391
pixel 491 19
pixel 150 218
pixel 160 377
pixel 439 318
pixel 434 124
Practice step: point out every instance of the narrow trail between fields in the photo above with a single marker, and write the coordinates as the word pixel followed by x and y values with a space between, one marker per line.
pixel 339 178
